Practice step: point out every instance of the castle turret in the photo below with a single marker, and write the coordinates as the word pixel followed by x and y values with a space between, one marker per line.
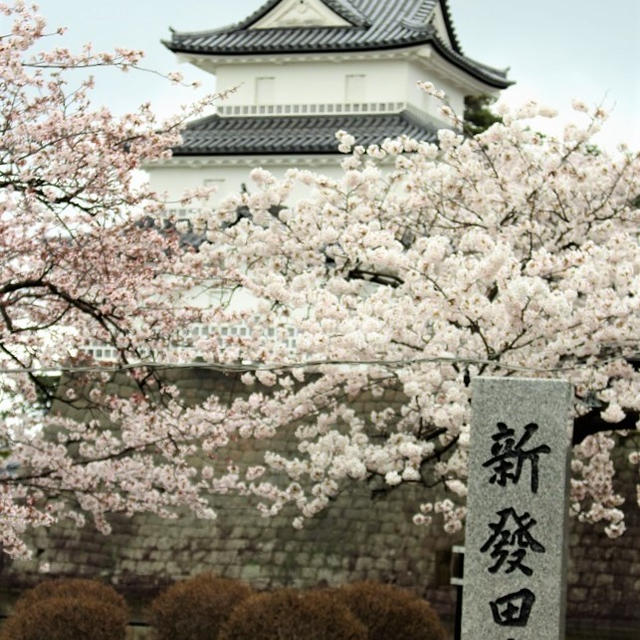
pixel 307 68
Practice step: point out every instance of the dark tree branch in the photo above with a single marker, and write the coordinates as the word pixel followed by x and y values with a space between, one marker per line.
pixel 591 423
pixel 378 278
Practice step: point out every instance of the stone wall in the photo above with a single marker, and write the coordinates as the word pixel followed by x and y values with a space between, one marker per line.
pixel 356 538
pixel 604 574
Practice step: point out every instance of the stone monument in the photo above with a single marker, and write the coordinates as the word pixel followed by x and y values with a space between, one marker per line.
pixel 516 542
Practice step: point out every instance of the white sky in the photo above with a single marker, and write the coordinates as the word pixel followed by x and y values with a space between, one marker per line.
pixel 556 49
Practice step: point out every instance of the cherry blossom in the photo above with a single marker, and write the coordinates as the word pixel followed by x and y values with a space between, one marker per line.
pixel 81 260
pixel 425 265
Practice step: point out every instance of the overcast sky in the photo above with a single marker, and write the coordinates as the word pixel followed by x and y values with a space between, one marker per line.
pixel 556 49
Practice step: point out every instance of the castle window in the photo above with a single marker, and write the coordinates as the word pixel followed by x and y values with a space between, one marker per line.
pixel 265 90
pixel 355 88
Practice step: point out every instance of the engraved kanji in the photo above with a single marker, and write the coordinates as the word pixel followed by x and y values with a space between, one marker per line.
pixel 514 609
pixel 510 540
pixel 508 456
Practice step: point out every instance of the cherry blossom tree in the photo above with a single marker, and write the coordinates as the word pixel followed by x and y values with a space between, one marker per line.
pixel 80 261
pixel 506 253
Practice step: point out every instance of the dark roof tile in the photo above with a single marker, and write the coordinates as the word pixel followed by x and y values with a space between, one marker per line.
pixel 375 24
pixel 218 135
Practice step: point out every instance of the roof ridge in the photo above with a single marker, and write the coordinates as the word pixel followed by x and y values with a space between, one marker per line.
pixel 419 15
pixel 342 7
pixel 461 56
pixel 420 18
pixel 359 19
pixel 417 26
pixel 255 16
pixel 448 19
pixel 394 24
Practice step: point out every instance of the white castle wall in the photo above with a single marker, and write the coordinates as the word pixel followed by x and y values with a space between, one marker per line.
pixel 228 175
pixel 322 82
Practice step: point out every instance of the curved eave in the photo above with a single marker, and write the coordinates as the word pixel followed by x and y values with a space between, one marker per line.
pixel 451 30
pixel 287 135
pixel 494 78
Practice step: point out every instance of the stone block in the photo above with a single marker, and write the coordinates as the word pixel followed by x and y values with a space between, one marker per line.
pixel 604 580
pixel 578 595
pixel 250 572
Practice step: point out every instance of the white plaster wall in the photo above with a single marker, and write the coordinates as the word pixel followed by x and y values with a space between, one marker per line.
pixel 228 179
pixel 316 82
pixel 417 73
pixel 386 81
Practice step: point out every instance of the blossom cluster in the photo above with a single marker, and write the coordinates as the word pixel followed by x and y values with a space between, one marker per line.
pixel 423 266
pixel 82 261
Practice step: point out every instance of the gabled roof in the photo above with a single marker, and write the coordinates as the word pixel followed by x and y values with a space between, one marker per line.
pixel 345 9
pixel 373 25
pixel 252 135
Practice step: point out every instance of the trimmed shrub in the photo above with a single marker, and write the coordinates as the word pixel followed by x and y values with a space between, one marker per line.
pixel 391 612
pixel 59 618
pixel 287 614
pixel 71 588
pixel 195 609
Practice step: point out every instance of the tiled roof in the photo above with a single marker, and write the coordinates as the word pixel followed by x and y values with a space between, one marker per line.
pixel 376 24
pixel 216 135
pixel 344 8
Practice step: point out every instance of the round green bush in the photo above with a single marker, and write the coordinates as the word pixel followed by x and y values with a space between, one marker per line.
pixel 287 614
pixel 391 612
pixel 66 618
pixel 195 609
